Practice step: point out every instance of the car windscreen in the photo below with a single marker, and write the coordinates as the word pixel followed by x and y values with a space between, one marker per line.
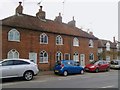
pixel 114 62
pixel 93 62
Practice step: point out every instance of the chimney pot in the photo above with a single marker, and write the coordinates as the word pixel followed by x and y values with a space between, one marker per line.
pixel 73 18
pixel 41 7
pixel 20 3
pixel 114 39
pixel 59 14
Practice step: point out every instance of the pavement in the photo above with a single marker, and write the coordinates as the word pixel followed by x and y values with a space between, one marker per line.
pixel 42 73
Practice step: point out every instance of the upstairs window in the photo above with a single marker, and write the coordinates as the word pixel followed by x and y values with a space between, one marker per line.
pixel 59 40
pixel 43 57
pixel 91 44
pixel 118 47
pixel 75 42
pixel 13 35
pixel 107 46
pixel 43 39
pixel 13 54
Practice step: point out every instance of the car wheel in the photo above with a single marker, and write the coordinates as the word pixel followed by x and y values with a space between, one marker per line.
pixel 96 70
pixel 65 73
pixel 28 75
pixel 82 72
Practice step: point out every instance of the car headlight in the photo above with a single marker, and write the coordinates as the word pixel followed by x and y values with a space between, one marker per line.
pixel 92 66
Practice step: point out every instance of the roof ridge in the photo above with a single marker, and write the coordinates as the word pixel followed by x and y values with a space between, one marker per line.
pixel 35 23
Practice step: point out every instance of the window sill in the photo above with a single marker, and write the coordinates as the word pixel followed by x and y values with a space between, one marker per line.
pixel 43 62
pixel 13 41
pixel 90 46
pixel 44 43
pixel 76 46
pixel 91 60
pixel 59 44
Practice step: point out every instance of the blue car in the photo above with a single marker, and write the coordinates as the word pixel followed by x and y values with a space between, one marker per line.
pixel 65 67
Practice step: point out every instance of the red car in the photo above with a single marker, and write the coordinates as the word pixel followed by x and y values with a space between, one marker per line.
pixel 97 66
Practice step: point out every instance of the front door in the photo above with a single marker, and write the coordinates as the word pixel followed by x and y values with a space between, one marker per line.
pixel 82 60
pixel 33 57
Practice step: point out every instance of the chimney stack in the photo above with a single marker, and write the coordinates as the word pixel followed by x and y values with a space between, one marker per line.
pixel 72 23
pixel 91 33
pixel 19 9
pixel 41 14
pixel 58 18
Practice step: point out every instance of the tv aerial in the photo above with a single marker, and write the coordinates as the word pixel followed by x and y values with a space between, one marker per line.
pixel 39 3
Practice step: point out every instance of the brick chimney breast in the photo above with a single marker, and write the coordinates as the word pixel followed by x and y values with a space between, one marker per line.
pixel 41 14
pixel 19 9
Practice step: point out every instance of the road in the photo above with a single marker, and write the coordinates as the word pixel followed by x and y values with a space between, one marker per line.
pixel 88 80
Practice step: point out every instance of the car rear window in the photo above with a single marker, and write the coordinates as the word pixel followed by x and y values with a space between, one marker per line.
pixel 58 63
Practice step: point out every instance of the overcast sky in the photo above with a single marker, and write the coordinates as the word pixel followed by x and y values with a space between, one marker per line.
pixel 100 16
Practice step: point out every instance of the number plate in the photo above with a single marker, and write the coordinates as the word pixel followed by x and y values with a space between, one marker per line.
pixel 86 69
pixel 56 71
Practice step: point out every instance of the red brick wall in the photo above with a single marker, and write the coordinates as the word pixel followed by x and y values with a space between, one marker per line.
pixel 29 40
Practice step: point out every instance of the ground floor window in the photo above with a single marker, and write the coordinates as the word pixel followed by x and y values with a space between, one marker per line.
pixel 43 57
pixel 13 54
pixel 59 56
pixel 91 57
pixel 76 57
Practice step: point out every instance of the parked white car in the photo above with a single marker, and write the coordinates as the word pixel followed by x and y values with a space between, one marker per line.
pixel 18 68
pixel 115 64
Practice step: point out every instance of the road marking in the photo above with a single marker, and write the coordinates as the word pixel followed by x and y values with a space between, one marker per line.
pixel 39 81
pixel 108 86
pixel 14 83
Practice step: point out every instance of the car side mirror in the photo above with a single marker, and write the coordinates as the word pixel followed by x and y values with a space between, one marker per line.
pixel 99 64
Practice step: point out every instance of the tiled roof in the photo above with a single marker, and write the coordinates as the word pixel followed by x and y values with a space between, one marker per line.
pixel 34 23
pixel 102 44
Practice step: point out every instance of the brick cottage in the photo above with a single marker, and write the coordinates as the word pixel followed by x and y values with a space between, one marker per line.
pixel 45 41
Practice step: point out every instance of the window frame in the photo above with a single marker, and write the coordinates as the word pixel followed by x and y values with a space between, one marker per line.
pixel 13 51
pixel 43 36
pixel 59 40
pixel 43 58
pixel 76 56
pixel 76 42
pixel 57 56
pixel 91 43
pixel 92 57
pixel 15 34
